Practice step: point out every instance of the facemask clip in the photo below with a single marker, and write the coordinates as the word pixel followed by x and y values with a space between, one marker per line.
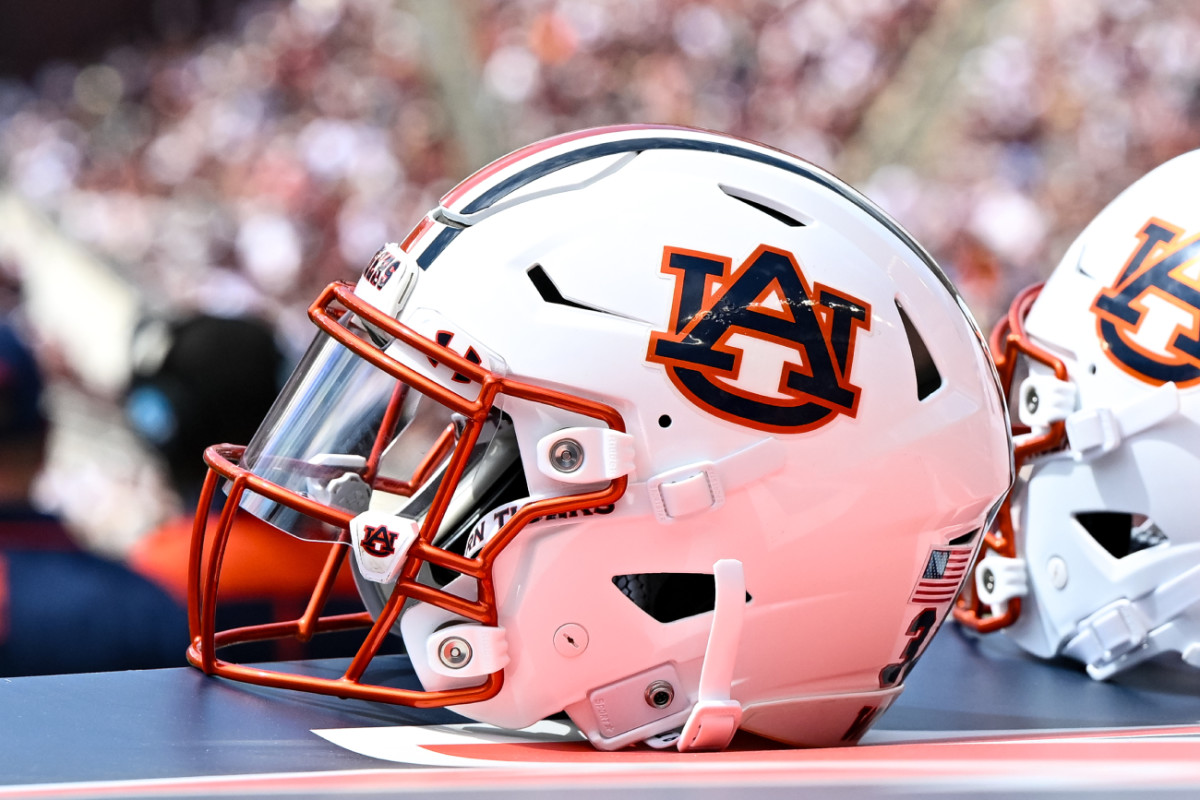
pixel 468 650
pixel 585 455
pixel 389 279
pixel 999 579
pixel 347 491
pixel 1043 400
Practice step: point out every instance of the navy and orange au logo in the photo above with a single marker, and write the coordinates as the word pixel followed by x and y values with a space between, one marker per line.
pixel 758 346
pixel 378 541
pixel 1149 319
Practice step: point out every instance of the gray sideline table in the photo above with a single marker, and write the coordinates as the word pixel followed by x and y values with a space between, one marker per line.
pixel 178 733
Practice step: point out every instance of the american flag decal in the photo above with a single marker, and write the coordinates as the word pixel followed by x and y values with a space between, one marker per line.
pixel 942 576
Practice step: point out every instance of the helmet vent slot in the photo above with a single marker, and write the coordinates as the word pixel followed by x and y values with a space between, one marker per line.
pixel 929 379
pixel 966 538
pixel 670 596
pixel 549 292
pixel 1120 533
pixel 1079 265
pixel 786 216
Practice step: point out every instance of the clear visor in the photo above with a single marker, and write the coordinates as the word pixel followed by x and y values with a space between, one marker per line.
pixel 348 435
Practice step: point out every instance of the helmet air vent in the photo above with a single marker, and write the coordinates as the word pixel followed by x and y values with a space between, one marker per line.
pixel 789 217
pixel 1079 264
pixel 1121 534
pixel 670 596
pixel 549 292
pixel 772 209
pixel 928 377
pixel 965 539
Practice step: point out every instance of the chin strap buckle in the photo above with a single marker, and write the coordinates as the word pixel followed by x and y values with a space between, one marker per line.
pixel 1107 637
pixel 715 716
pixel 1129 631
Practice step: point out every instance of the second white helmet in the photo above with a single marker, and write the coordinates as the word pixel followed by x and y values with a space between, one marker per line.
pixel 1097 555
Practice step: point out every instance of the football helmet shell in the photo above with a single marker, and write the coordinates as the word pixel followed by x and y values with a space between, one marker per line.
pixel 1096 554
pixel 668 430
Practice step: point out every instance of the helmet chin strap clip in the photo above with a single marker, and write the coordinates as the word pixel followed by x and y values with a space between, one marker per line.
pixel 702 486
pixel 715 716
pixel 1100 430
pixel 380 543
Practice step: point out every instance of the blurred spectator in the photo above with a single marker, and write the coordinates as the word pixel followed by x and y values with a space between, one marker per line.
pixel 206 380
pixel 199 381
pixel 63 610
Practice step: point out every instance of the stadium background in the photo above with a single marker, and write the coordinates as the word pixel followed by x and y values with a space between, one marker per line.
pixel 162 157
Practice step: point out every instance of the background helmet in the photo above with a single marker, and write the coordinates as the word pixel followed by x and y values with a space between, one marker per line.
pixel 1097 554
pixel 666 429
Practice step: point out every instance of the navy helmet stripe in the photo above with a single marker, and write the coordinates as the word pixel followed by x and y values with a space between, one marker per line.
pixel 435 248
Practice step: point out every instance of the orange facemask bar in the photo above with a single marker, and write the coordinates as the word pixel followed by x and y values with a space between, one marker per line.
pixel 205 558
pixel 1008 342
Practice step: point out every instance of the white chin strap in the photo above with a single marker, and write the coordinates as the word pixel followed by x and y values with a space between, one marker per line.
pixel 1043 400
pixel 715 716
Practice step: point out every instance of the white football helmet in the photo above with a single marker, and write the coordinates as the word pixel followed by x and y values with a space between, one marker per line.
pixel 1097 554
pixel 670 431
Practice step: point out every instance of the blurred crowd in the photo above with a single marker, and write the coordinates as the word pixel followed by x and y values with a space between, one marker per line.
pixel 243 170
pixel 249 167
pixel 1064 105
pixel 797 76
pixel 255 165
pixel 235 172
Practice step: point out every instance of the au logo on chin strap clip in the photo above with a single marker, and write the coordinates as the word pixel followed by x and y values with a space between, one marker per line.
pixel 380 542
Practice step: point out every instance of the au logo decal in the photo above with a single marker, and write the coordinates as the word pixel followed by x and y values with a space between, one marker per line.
pixel 378 541
pixel 758 346
pixel 1149 319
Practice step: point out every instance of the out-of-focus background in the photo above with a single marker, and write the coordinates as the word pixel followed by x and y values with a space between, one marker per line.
pixel 161 158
